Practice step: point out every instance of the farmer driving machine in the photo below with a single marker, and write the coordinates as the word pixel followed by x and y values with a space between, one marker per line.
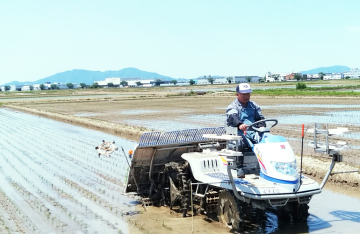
pixel 198 169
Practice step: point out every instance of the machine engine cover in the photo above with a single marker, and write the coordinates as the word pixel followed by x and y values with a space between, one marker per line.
pixel 271 151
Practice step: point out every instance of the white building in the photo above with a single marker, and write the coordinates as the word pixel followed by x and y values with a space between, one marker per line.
pixel 183 82
pixel 244 79
pixel 60 85
pixel 270 77
pixel 116 81
pixel 37 87
pixel 15 87
pixel 337 76
pixel 12 88
pixel 202 81
pixel 353 73
pixel 312 76
pixel 221 80
pixel 327 76
pixel 333 76
pixel 145 83
pixel 131 82
pixel 47 85
pixel 26 88
pixel 205 80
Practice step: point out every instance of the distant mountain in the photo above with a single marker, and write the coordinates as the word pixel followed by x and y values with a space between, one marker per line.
pixel 332 69
pixel 88 77
pixel 19 83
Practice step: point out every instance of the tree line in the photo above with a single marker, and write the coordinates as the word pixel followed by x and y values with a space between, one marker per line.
pixel 157 82
pixel 299 77
pixel 43 87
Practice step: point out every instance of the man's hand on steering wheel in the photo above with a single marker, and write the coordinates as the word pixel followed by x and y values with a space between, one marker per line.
pixel 243 127
pixel 271 123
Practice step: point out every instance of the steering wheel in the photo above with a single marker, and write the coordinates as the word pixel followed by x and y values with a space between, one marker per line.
pixel 271 122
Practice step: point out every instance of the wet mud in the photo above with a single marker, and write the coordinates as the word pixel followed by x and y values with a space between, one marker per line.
pixel 129 118
pixel 325 216
pixel 175 114
pixel 56 182
pixel 52 179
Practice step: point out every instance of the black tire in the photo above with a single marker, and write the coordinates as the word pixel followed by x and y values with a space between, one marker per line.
pixel 229 211
pixel 298 212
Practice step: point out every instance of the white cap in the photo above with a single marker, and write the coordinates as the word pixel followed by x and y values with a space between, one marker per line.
pixel 243 88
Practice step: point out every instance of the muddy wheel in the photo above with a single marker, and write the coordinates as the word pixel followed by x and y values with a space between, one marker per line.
pixel 179 179
pixel 229 210
pixel 300 212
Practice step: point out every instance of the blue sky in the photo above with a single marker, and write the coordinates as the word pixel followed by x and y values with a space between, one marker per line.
pixel 181 39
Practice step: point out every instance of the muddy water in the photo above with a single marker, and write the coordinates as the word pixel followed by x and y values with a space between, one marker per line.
pixel 64 97
pixel 194 88
pixel 330 212
pixel 345 116
pixel 54 181
pixel 335 213
pixel 341 114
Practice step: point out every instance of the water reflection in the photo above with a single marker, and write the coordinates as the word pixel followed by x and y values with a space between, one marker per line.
pixel 269 222
pixel 310 106
pixel 323 218
pixel 87 114
pixel 334 117
pixel 132 112
pixel 346 215
pixel 62 97
pixel 214 120
pixel 166 125
pixel 315 223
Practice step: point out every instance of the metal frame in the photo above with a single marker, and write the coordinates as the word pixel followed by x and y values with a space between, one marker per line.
pixel 178 137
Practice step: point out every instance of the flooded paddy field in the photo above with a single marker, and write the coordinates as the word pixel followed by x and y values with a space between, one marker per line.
pixel 52 181
pixel 176 113
pixel 163 113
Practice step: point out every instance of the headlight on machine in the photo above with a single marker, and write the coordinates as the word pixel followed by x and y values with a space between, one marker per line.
pixel 286 168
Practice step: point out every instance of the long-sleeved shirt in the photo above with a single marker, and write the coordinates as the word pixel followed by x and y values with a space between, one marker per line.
pixel 234 109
